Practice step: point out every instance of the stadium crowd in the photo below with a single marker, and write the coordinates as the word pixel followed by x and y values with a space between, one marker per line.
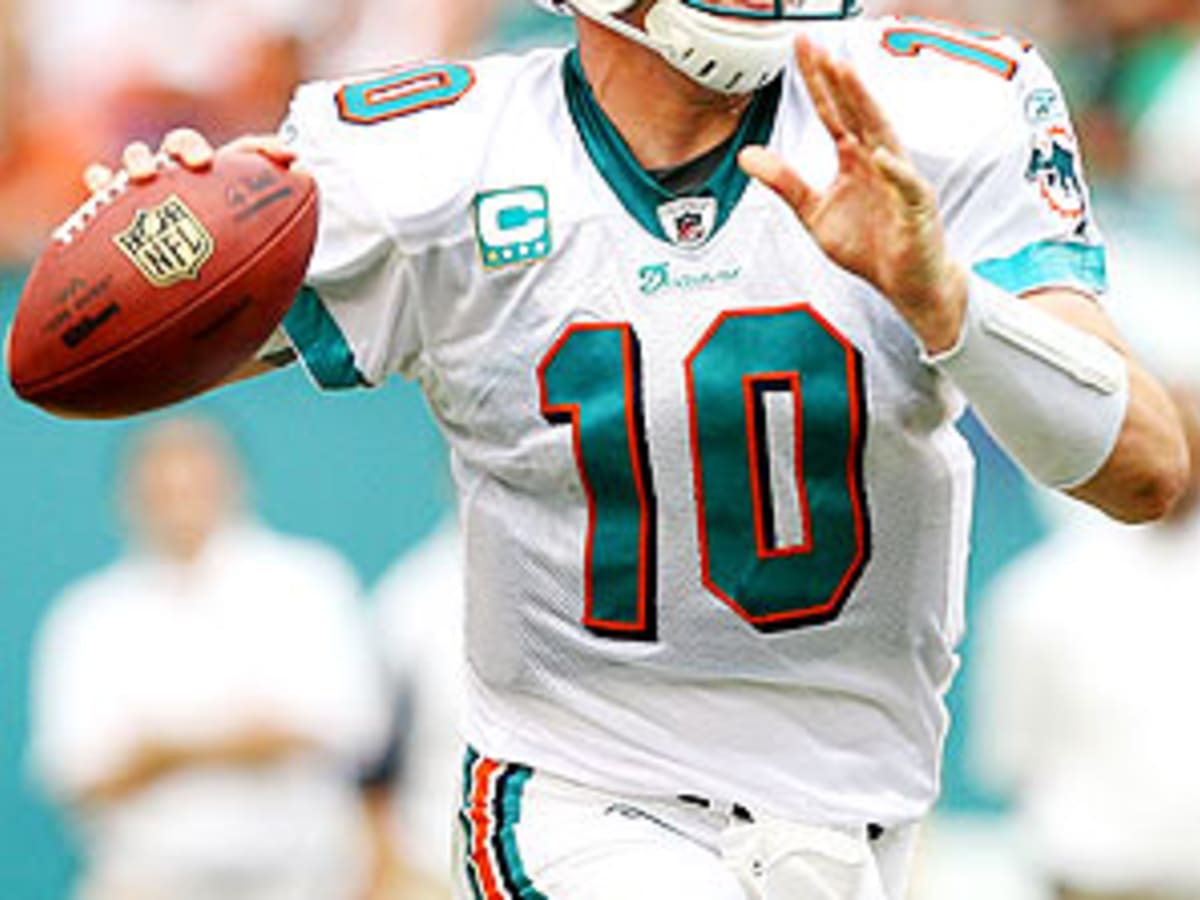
pixel 78 81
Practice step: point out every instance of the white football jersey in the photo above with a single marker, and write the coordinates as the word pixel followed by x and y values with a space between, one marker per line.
pixel 716 512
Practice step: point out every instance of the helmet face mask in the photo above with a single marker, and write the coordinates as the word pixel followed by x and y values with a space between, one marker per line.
pixel 768 10
pixel 778 10
pixel 727 46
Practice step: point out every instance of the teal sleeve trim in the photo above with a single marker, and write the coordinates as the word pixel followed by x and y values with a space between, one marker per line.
pixel 1049 264
pixel 321 344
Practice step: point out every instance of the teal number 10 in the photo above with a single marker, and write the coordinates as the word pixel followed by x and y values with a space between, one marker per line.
pixel 752 367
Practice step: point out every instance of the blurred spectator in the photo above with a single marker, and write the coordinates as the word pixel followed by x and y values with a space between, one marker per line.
pixel 521 24
pixel 1166 139
pixel 375 33
pixel 1116 59
pixel 41 155
pixel 228 66
pixel 133 68
pixel 419 610
pixel 201 705
pixel 79 81
pixel 1088 675
pixel 988 13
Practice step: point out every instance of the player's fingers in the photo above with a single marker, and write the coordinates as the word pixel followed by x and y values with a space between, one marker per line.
pixel 270 146
pixel 872 125
pixel 97 177
pixel 904 177
pixel 189 148
pixel 140 162
pixel 809 58
pixel 763 165
pixel 847 109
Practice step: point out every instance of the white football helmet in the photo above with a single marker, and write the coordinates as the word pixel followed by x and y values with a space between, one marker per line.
pixel 729 46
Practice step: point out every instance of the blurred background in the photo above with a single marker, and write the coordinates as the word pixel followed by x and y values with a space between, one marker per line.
pixel 364 474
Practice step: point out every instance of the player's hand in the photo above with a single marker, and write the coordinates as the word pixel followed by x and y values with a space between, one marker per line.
pixel 185 147
pixel 879 219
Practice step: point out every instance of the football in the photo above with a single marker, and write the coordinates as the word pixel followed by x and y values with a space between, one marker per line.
pixel 152 293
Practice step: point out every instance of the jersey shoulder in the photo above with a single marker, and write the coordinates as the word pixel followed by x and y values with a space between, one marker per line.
pixel 950 89
pixel 410 144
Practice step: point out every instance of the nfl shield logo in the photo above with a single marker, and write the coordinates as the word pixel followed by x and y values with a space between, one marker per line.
pixel 168 243
pixel 690 228
pixel 688 221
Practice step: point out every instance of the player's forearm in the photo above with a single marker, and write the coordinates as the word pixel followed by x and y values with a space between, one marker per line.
pixel 1147 470
pixel 155 760
pixel 140 771
pixel 1051 379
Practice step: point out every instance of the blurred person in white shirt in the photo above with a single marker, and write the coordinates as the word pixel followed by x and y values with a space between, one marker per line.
pixel 201 706
pixel 1087 675
pixel 419 608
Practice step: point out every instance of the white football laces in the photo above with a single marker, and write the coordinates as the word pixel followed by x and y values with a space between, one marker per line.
pixel 79 220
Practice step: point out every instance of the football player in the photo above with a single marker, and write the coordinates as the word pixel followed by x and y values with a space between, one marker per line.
pixel 697 303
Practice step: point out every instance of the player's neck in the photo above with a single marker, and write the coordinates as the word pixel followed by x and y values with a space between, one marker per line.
pixel 664 117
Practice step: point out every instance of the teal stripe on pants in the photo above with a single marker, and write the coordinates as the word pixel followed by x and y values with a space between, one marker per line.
pixel 514 781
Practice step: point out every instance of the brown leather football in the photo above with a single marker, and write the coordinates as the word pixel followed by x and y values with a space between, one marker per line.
pixel 153 293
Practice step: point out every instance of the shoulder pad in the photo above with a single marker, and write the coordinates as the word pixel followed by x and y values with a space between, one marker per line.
pixel 412 140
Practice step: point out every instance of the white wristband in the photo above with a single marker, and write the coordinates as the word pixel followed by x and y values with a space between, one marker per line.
pixel 1053 396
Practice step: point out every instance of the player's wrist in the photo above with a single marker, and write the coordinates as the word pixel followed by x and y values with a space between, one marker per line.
pixel 938 321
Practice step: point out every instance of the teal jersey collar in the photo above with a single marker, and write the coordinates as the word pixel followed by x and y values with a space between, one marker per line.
pixel 638 191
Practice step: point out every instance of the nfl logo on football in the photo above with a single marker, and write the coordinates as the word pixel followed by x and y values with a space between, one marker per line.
pixel 168 243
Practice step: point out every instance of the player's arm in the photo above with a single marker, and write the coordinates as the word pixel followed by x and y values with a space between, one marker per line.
pixel 153 760
pixel 1148 468
pixel 1047 373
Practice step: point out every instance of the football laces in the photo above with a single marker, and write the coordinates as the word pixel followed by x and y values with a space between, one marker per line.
pixel 92 207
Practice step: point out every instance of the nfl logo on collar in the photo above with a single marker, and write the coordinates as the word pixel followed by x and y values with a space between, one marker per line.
pixel 688 221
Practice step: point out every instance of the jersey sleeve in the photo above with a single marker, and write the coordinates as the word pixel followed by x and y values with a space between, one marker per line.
pixel 353 323
pixel 1018 209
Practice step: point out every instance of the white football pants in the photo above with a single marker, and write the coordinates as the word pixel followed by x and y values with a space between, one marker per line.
pixel 526 835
